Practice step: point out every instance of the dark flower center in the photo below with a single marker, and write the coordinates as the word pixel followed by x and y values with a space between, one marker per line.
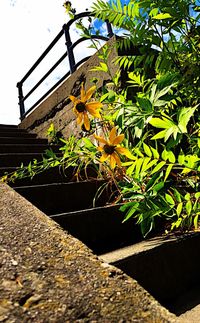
pixel 109 149
pixel 80 107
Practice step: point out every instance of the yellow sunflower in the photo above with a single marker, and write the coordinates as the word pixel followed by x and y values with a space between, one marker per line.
pixel 82 107
pixel 111 148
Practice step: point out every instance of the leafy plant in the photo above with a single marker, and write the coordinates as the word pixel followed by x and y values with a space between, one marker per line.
pixel 146 119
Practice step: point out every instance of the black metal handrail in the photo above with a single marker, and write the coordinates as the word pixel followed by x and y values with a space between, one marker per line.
pixel 69 53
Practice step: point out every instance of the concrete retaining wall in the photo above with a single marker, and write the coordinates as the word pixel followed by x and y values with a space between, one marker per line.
pixel 57 109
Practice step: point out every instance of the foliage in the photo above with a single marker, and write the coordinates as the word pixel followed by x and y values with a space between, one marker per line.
pixel 152 111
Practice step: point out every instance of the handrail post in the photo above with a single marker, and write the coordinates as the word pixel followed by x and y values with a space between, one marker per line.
pixel 21 100
pixel 69 49
pixel 109 29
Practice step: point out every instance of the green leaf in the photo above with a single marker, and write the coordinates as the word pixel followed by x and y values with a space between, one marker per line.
pixel 184 117
pixel 161 123
pixel 169 199
pixel 147 150
pixel 197 195
pixel 158 167
pixel 155 178
pixel 187 197
pixel 177 195
pixel 168 171
pixel 179 208
pixel 188 207
pixel 181 159
pixel 196 220
pixel 131 211
pixel 158 187
pixel 138 165
pixel 171 157
pixel 159 135
pixel 155 153
pixel 162 16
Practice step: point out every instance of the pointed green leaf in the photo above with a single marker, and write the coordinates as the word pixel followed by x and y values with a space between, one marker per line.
pixel 158 167
pixel 196 220
pixel 162 16
pixel 188 207
pixel 155 153
pixel 159 135
pixel 168 171
pixel 147 150
pixel 171 157
pixel 131 211
pixel 179 208
pixel 169 199
pixel 160 123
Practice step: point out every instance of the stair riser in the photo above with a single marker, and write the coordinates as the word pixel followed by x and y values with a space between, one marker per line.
pixel 167 271
pixel 20 148
pixel 52 175
pixel 16 160
pixel 17 134
pixel 101 229
pixel 18 140
pixel 60 198
pixel 7 126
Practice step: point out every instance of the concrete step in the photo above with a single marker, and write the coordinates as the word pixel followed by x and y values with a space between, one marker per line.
pixel 16 159
pixel 65 197
pixel 8 126
pixel 49 176
pixel 100 228
pixel 18 134
pixel 167 267
pixel 25 148
pixel 12 130
pixel 22 140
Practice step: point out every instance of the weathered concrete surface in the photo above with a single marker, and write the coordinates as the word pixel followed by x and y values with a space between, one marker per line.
pixel 47 275
pixel 57 108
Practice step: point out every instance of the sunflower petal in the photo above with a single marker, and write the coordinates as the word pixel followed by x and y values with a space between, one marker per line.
pixel 73 98
pixel 92 110
pixel 118 139
pixel 83 94
pixel 117 159
pixel 112 135
pixel 89 93
pixel 101 139
pixel 124 151
pixel 94 105
pixel 79 119
pixel 104 157
pixel 112 161
pixel 86 121
pixel 99 148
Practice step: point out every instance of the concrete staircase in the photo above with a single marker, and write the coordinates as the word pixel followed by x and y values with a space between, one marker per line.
pixel 99 226
pixel 69 203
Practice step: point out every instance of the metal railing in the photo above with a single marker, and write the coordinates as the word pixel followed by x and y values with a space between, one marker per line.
pixel 65 31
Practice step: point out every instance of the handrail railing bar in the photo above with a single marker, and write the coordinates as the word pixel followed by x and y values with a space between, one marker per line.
pixel 72 64
pixel 47 50
pixel 78 16
pixel 45 76
pixel 46 94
